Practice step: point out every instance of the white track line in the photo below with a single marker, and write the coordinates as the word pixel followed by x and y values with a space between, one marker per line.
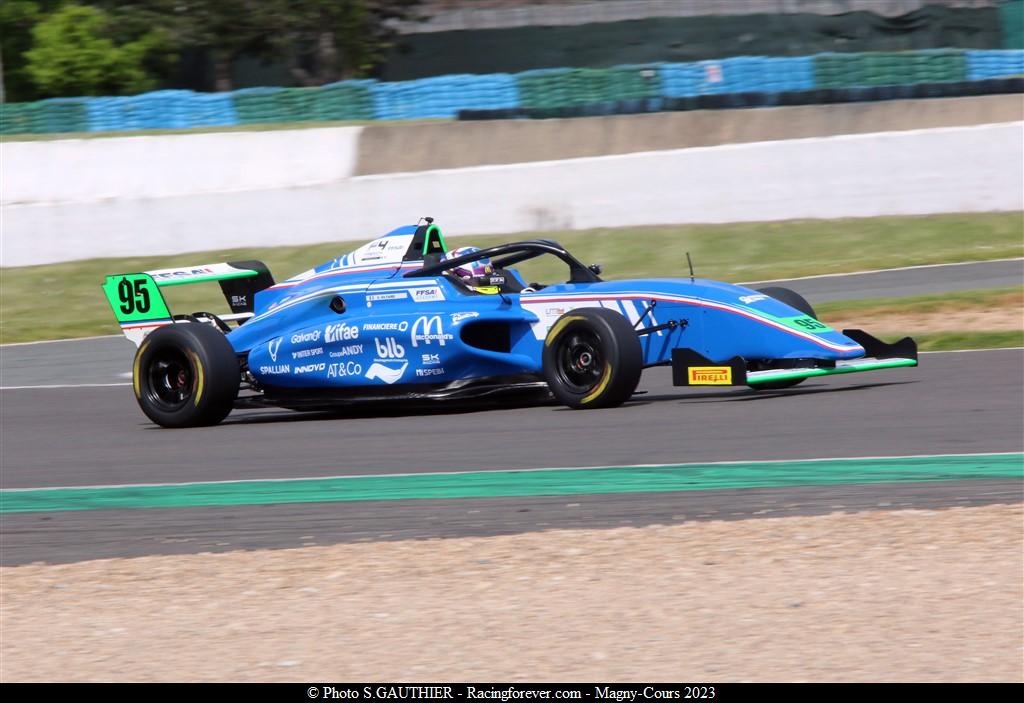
pixel 66 385
pixel 518 471
pixel 901 268
pixel 968 351
pixel 59 341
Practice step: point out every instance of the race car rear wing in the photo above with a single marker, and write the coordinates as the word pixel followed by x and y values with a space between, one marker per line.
pixel 140 308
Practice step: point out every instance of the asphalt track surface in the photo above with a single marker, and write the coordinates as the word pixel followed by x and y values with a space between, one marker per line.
pixel 898 283
pixel 954 403
pixel 108 359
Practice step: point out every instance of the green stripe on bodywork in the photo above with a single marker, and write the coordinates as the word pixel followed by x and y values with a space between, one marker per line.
pixel 204 279
pixel 495 484
pixel 787 374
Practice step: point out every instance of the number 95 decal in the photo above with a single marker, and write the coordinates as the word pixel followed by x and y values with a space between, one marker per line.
pixel 808 324
pixel 133 295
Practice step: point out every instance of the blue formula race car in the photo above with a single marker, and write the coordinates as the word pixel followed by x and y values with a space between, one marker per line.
pixel 403 318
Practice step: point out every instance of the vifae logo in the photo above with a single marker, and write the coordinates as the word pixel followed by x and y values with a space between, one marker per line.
pixel 710 376
pixel 340 332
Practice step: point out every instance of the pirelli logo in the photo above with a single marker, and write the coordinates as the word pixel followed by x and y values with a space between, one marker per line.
pixel 710 375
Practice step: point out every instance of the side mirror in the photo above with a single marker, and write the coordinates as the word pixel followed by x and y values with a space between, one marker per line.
pixel 596 269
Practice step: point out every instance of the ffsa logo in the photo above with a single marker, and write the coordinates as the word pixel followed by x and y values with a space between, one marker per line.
pixel 428 330
pixel 390 349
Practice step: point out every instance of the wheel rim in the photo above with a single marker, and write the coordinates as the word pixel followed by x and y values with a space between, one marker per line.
pixel 170 379
pixel 580 360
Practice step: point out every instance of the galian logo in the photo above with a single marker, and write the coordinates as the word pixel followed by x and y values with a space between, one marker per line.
pixel 390 349
pixel 301 337
pixel 428 330
pixel 310 368
pixel 340 333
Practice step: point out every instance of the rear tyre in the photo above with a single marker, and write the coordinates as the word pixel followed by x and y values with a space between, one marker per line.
pixel 793 300
pixel 592 359
pixel 186 375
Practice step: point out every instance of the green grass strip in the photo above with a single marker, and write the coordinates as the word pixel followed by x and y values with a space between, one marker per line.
pixel 748 251
pixel 543 482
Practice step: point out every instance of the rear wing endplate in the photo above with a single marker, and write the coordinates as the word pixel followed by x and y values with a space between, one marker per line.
pixel 140 308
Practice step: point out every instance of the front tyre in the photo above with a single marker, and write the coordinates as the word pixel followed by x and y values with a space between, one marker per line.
pixel 793 300
pixel 592 359
pixel 186 375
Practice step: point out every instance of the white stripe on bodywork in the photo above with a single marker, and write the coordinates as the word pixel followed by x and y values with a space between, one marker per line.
pixel 185 274
pixel 383 286
pixel 566 300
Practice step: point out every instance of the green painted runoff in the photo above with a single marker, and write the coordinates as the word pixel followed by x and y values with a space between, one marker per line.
pixel 550 482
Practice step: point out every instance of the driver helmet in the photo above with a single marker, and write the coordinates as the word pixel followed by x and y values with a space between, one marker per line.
pixel 472 271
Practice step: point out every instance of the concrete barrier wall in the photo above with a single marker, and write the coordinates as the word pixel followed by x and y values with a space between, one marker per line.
pixel 84 170
pixel 418 147
pixel 961 169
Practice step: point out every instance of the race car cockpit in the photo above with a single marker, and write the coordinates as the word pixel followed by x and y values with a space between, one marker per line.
pixel 503 278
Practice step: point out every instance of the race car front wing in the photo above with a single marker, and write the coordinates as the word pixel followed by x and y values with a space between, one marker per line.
pixel 690 368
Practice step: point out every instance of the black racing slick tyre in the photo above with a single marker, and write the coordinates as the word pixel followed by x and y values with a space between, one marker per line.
pixel 186 375
pixel 793 300
pixel 592 359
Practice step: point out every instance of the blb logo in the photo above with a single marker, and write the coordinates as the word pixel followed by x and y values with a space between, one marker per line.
pixel 427 330
pixel 390 349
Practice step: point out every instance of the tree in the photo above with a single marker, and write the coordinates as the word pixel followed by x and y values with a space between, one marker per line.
pixel 17 17
pixel 319 40
pixel 72 54
pixel 124 46
pixel 340 39
pixel 227 29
